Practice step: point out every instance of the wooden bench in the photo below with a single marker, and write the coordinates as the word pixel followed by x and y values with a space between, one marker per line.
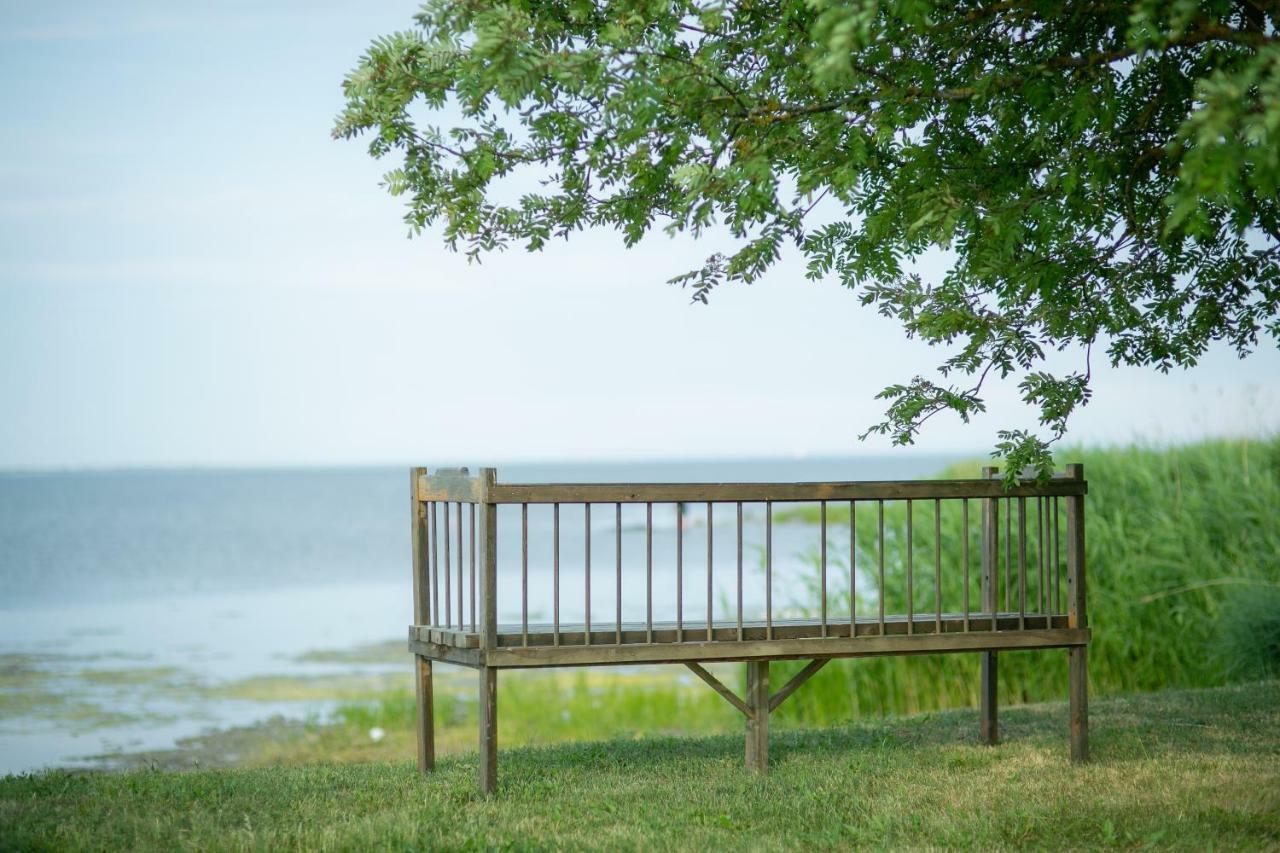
pixel 1024 590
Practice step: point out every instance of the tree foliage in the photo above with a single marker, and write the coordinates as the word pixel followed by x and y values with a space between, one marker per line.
pixel 1100 177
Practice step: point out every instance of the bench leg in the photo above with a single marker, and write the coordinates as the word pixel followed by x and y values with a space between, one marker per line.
pixel 1078 701
pixel 488 729
pixel 758 722
pixel 426 716
pixel 988 723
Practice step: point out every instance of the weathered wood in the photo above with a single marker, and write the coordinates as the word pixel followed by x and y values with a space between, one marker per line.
pixel 426 714
pixel 418 535
pixel 450 484
pixel 617 589
pixel 663 633
pixel 1076 580
pixel 461 594
pixel 768 571
pixel 445 653
pixel 758 716
pixel 488 646
pixel 988 713
pixel 710 568
pixel 822 536
pixel 444 610
pixel 796 680
pixel 586 572
pixel 780 649
pixel 771 492
pixel 853 564
pixel 488 730
pixel 1078 701
pixel 524 572
pixel 718 686
pixel 679 574
pixel 880 539
pixel 555 571
pixel 909 542
pixel 435 562
pixel 488 559
pixel 1022 563
pixel 425 726
pixel 964 557
pixel 1077 617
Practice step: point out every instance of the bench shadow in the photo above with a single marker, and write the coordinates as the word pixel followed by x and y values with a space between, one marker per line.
pixel 1226 721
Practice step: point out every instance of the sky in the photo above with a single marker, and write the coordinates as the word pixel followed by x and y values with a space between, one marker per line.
pixel 193 273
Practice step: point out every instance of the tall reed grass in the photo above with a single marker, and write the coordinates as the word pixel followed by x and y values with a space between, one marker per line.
pixel 1183 555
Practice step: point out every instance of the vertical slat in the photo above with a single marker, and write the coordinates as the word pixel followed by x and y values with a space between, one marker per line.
pixel 768 570
pixel 555 573
pixel 1022 564
pixel 435 566
pixel 617 581
pixel 1057 560
pixel 710 570
pixel 989 584
pixel 937 566
pixel 823 558
pixel 1008 553
pixel 679 573
pixel 1043 594
pixel 487 559
pixel 880 593
pixel 739 571
pixel 964 556
pixel 586 577
pixel 471 516
pixel 458 525
pixel 648 571
pixel 524 574
pixel 910 545
pixel 853 569
pixel 448 598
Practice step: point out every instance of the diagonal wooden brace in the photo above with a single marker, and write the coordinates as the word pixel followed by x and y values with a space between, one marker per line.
pixel 719 687
pixel 796 680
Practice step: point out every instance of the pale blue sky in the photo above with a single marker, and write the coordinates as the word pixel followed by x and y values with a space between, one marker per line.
pixel 193 273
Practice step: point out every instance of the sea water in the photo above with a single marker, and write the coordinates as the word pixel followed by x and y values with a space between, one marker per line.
pixel 128 597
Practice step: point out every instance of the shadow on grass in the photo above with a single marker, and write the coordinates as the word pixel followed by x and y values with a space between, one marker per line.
pixel 1237 720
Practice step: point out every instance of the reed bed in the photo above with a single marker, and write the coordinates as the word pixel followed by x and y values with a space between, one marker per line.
pixel 1183 553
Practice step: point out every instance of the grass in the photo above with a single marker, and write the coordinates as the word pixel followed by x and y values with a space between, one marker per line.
pixel 1181 769
pixel 539 708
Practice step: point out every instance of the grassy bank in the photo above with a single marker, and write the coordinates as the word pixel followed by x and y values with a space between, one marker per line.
pixel 1184 557
pixel 1192 769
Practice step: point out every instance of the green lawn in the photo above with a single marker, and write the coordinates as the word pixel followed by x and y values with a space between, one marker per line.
pixel 1189 769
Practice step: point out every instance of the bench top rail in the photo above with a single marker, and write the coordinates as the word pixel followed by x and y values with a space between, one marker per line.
pixel 459 485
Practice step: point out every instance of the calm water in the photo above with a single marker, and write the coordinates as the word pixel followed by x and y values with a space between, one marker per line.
pixel 207 578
